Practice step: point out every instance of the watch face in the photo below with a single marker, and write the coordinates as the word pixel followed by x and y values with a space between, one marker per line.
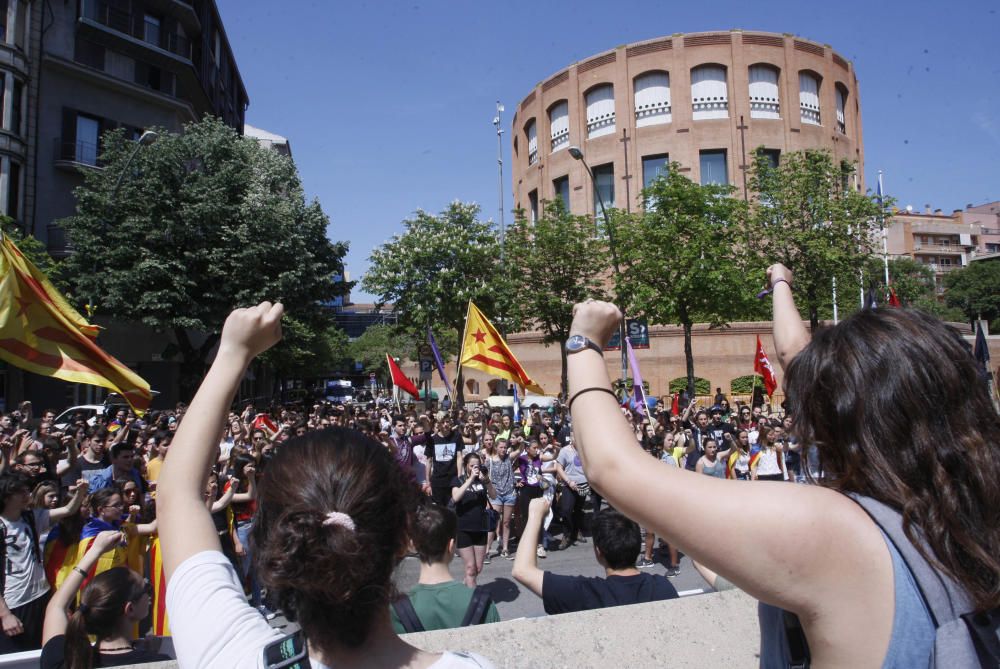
pixel 576 343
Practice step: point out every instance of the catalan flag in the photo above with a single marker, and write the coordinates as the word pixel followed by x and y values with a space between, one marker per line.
pixel 161 627
pixel 484 349
pixel 42 333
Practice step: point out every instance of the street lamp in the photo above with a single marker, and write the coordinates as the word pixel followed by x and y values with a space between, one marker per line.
pixel 577 154
pixel 147 138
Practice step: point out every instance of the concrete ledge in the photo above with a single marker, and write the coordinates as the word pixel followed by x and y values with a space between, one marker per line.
pixel 714 630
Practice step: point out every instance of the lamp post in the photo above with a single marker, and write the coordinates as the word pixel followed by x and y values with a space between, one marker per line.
pixel 147 138
pixel 577 154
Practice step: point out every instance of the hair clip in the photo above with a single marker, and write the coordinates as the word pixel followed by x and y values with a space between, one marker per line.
pixel 339 518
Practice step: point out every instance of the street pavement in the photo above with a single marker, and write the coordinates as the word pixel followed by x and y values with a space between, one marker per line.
pixel 515 601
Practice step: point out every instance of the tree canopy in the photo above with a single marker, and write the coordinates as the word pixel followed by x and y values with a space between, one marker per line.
pixel 435 266
pixel 975 290
pixel 686 259
pixel 555 262
pixel 203 222
pixel 807 216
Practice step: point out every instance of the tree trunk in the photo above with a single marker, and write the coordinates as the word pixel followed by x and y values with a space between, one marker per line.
pixel 689 357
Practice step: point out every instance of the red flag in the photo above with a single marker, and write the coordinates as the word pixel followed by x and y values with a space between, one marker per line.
pixel 675 406
pixel 893 300
pixel 399 379
pixel 762 366
pixel 264 422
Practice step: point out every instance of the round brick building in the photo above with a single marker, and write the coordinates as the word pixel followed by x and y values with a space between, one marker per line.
pixel 704 100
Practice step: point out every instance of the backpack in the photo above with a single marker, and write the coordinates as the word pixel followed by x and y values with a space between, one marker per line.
pixel 474 615
pixel 962 638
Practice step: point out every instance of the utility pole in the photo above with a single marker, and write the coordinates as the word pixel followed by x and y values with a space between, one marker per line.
pixel 498 124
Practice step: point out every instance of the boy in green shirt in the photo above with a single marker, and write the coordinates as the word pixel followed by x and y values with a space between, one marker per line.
pixel 438 601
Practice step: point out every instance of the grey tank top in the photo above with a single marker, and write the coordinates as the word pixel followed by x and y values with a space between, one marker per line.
pixel 717 470
pixel 912 628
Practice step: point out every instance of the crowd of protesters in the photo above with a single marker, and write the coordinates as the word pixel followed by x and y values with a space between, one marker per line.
pixel 360 486
pixel 61 486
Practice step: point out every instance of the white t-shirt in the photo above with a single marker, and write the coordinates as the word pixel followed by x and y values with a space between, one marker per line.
pixel 24 575
pixel 213 625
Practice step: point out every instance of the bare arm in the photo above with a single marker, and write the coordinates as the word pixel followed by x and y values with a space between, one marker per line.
pixel 55 613
pixel 186 526
pixel 224 501
pixel 790 334
pixel 834 531
pixel 525 569
pixel 251 493
pixel 79 492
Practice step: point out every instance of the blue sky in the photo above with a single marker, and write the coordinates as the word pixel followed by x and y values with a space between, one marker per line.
pixel 389 105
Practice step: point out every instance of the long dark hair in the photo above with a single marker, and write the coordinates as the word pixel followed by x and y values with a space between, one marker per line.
pixel 101 607
pixel 894 402
pixel 332 579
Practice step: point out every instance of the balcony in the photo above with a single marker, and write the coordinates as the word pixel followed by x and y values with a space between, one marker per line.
pixel 560 139
pixel 136 35
pixel 938 248
pixel 809 114
pixel 73 155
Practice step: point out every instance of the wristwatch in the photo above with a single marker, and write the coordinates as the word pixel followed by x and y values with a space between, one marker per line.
pixel 578 343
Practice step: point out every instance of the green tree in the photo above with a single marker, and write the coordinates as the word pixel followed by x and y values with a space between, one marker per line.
pixel 806 215
pixel 975 291
pixel 685 260
pixel 558 261
pixel 432 270
pixel 913 283
pixel 35 251
pixel 374 343
pixel 206 221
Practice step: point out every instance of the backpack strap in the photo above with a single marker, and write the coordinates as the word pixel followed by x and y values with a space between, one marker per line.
pixel 407 615
pixel 478 606
pixel 946 600
pixel 3 557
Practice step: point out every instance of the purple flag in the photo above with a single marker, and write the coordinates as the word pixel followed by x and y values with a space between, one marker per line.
pixel 438 362
pixel 637 394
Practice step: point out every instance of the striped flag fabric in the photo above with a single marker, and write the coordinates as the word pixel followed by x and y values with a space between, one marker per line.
pixel 484 349
pixel 41 333
pixel 438 361
pixel 158 583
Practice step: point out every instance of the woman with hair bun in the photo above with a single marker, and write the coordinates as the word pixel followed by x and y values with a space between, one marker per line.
pixel 111 605
pixel 332 523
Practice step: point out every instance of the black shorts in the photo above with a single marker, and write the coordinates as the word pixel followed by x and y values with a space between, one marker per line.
pixel 770 477
pixel 469 539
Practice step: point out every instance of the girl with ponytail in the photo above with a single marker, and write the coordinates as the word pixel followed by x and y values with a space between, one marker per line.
pixel 111 604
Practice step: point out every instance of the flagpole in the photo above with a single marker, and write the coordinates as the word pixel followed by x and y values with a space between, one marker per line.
pixel 885 233
pixel 461 352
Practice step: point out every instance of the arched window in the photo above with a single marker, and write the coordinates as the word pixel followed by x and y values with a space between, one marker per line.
pixel 559 125
pixel 531 133
pixel 709 92
pixel 764 97
pixel 841 107
pixel 809 97
pixel 600 111
pixel 652 99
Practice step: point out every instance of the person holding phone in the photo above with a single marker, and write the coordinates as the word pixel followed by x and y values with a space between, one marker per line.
pixel 471 493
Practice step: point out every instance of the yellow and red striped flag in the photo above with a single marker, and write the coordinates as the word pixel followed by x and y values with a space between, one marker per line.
pixel 484 349
pixel 161 626
pixel 42 333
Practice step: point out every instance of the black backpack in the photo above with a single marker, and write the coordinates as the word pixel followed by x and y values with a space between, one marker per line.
pixel 474 615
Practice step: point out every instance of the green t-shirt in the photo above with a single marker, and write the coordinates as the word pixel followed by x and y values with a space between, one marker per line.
pixel 441 606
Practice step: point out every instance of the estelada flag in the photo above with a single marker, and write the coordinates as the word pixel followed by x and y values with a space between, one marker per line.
pixel 42 333
pixel 762 366
pixel 893 300
pixel 484 349
pixel 399 379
